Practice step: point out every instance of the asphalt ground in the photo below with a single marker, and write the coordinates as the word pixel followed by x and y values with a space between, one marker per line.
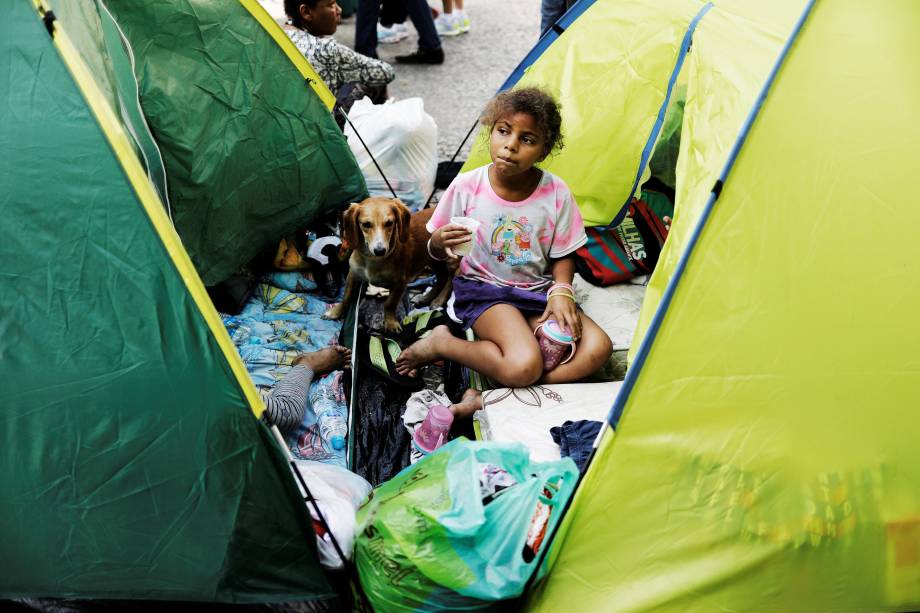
pixel 476 64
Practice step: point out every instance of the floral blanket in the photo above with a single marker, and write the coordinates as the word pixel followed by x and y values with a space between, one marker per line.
pixel 282 319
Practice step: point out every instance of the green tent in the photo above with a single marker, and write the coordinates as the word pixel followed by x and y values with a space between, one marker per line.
pixel 133 465
pixel 249 151
pixel 764 455
pixel 762 452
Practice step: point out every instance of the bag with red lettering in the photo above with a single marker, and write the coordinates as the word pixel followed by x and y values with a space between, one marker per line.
pixel 461 528
pixel 614 255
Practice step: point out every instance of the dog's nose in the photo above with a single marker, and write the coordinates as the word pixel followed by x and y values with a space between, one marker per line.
pixel 380 250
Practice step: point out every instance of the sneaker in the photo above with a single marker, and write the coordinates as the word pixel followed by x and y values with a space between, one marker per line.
pixel 464 23
pixel 423 56
pixel 447 25
pixel 392 34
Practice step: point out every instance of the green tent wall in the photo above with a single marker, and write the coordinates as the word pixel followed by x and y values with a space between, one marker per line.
pixel 131 462
pixel 250 150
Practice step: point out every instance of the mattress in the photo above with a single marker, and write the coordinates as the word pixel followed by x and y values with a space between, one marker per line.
pixel 525 415
pixel 616 310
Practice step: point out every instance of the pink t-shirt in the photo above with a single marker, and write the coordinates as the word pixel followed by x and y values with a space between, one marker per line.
pixel 515 240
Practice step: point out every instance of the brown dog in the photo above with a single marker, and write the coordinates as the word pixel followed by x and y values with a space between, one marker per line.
pixel 389 248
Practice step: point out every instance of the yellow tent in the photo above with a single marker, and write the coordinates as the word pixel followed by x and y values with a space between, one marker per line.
pixel 765 454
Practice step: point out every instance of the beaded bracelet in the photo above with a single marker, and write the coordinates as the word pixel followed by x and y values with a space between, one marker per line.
pixel 561 286
pixel 433 256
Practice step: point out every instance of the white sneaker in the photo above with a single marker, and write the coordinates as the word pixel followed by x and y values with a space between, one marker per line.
pixel 446 25
pixel 393 34
pixel 463 23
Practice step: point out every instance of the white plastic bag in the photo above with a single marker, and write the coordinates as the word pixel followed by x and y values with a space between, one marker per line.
pixel 338 493
pixel 404 141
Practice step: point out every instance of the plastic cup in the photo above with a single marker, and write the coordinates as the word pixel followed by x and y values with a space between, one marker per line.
pixel 470 224
pixel 434 430
pixel 555 342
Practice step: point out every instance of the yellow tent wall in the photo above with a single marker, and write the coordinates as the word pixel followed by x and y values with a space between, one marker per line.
pixel 767 456
pixel 610 72
pixel 734 49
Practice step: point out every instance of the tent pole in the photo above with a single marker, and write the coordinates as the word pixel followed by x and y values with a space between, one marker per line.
pixel 346 563
pixel 453 157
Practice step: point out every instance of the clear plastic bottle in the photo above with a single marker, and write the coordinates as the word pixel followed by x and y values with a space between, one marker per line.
pixel 330 416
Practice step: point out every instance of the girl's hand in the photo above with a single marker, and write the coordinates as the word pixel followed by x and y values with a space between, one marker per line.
pixel 563 310
pixel 447 237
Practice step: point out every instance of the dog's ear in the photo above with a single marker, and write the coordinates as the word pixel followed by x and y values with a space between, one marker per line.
pixel 403 215
pixel 350 230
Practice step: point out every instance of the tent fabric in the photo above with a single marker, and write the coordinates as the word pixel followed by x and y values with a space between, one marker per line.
pixel 766 456
pixel 733 52
pixel 610 71
pixel 546 41
pixel 129 104
pixel 250 150
pixel 132 464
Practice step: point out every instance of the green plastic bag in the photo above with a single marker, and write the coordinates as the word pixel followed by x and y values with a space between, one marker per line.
pixel 436 537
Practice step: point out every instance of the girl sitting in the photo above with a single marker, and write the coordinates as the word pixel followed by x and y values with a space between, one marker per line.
pixel 519 272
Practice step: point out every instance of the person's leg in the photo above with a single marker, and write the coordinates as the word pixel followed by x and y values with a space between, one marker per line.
pixel 420 14
pixel 469 404
pixel 507 352
pixel 460 16
pixel 447 24
pixel 325 360
pixel 393 12
pixel 366 27
pixel 592 351
pixel 550 12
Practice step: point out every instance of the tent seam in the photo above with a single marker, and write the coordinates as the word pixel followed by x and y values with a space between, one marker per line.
pixel 632 375
pixel 150 204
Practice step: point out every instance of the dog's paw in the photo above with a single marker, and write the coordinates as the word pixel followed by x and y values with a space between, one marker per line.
pixel 392 325
pixel 336 311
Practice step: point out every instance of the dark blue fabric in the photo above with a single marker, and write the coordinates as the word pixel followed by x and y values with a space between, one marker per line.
pixel 366 25
pixel 550 12
pixel 576 440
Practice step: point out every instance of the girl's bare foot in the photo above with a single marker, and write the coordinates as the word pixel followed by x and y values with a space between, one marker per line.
pixel 421 352
pixel 469 404
pixel 326 360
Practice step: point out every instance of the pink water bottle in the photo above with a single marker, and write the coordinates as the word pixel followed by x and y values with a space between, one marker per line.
pixel 555 341
pixel 434 430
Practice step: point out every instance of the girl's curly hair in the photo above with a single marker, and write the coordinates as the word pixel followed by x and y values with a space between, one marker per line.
pixel 536 103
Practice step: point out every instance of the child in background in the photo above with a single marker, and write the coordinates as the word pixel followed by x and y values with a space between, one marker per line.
pixel 312 24
pixel 520 269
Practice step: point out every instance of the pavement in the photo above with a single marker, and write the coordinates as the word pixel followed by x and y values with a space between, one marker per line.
pixel 476 64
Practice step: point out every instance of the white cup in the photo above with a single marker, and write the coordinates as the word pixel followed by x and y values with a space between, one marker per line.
pixel 470 224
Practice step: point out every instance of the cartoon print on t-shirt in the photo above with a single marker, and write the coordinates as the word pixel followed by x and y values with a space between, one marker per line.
pixel 511 240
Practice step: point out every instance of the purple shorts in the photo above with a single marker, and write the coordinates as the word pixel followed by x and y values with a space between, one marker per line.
pixel 472 298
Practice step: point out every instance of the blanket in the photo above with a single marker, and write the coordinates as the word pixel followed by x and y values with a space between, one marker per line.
pixel 282 319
